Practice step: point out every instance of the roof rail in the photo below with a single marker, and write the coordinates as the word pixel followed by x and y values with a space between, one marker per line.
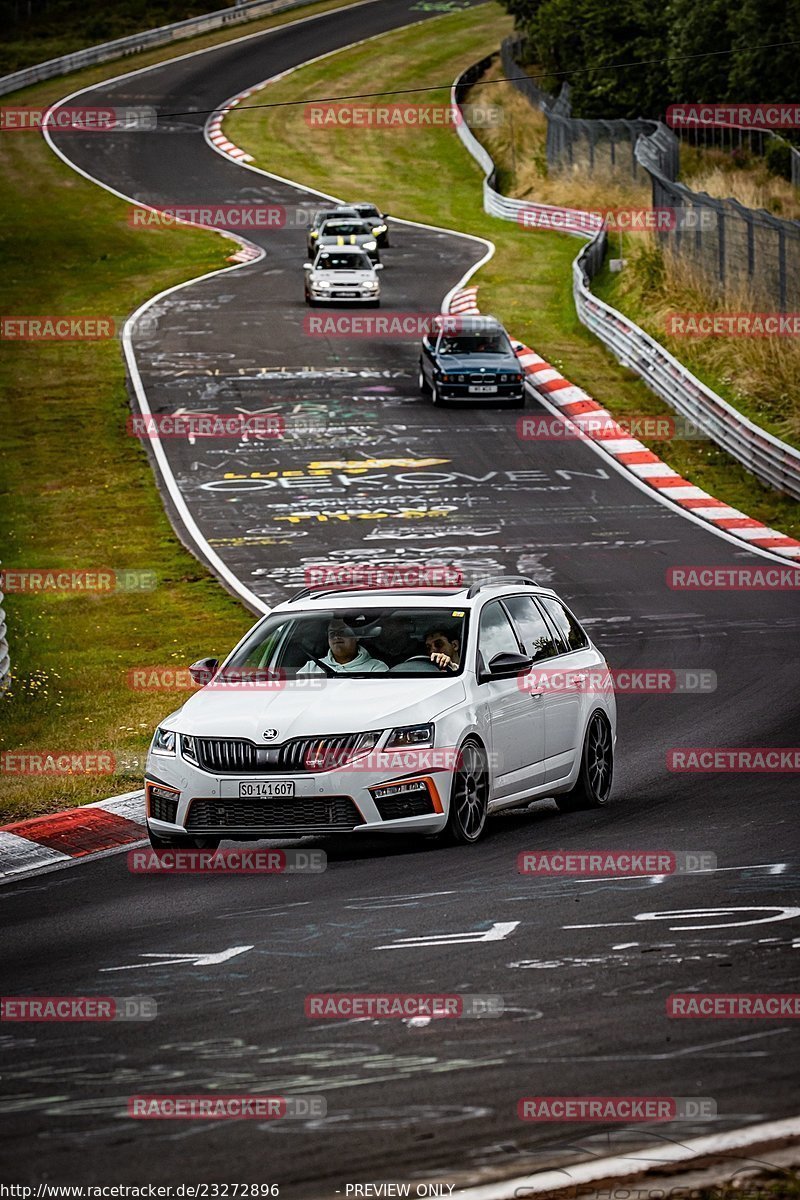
pixel 324 589
pixel 500 579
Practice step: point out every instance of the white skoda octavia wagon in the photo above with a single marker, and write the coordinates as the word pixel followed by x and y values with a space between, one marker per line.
pixel 408 711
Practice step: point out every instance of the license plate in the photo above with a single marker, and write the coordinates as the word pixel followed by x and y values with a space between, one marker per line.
pixel 483 387
pixel 347 293
pixel 267 788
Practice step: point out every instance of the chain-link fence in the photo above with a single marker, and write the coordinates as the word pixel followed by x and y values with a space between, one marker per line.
pixel 742 251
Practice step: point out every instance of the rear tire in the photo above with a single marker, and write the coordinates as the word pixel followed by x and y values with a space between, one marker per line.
pixel 469 797
pixel 592 788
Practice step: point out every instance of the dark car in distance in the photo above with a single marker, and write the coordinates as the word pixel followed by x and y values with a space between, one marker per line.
pixel 470 358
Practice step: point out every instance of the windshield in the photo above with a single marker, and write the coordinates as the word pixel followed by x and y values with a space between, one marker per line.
pixel 471 343
pixel 360 642
pixel 332 215
pixel 368 211
pixel 342 262
pixel 344 228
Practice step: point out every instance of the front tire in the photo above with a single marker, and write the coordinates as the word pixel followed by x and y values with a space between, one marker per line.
pixel 592 788
pixel 424 386
pixel 436 396
pixel 469 797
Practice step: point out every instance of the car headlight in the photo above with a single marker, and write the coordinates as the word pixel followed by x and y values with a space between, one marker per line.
pixel 188 749
pixel 370 245
pixel 370 285
pixel 320 283
pixel 164 742
pixel 410 735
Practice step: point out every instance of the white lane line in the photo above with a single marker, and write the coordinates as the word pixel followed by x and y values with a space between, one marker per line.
pixel 635 1163
pixel 498 932
pixel 167 958
pixel 773 868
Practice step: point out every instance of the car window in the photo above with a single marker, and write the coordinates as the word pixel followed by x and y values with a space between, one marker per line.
pixel 490 343
pixel 342 228
pixel 573 636
pixel 343 262
pixel 495 634
pixel 531 627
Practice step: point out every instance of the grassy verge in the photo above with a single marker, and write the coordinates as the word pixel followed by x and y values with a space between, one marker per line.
pixel 427 175
pixel 757 375
pixel 76 491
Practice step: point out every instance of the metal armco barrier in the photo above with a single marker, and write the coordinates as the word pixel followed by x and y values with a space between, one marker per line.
pixel 135 42
pixel 770 460
pixel 5 660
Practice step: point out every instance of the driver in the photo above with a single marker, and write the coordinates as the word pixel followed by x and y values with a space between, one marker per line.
pixel 344 653
pixel 445 650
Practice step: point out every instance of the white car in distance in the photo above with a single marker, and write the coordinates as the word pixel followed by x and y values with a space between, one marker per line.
pixel 415 711
pixel 342 275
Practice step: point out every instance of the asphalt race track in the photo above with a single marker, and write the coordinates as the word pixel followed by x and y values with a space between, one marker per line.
pixel 584 982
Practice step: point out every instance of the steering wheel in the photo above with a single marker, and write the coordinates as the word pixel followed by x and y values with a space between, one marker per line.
pixel 416 658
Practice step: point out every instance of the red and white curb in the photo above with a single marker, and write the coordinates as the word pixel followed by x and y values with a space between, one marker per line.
pixel 214 129
pixel 91 830
pixel 598 425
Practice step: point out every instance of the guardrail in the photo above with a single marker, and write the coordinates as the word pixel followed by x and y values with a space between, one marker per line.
pixel 136 42
pixel 770 460
pixel 5 660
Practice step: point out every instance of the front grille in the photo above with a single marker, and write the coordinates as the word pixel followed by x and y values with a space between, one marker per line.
pixel 233 756
pixel 489 379
pixel 392 808
pixel 275 818
pixel 162 808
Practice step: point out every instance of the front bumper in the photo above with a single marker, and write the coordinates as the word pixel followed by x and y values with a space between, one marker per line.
pixel 461 391
pixel 338 801
pixel 333 297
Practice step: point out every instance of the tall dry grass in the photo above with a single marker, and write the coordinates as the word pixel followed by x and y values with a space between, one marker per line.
pixel 760 374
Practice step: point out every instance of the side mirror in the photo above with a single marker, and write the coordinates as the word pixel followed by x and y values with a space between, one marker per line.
pixel 377 266
pixel 308 266
pixel 203 670
pixel 505 666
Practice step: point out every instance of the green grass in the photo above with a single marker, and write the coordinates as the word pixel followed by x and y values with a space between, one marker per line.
pixel 76 490
pixel 528 282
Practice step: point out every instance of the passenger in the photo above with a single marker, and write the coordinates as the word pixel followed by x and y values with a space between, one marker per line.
pixel 444 650
pixel 344 653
